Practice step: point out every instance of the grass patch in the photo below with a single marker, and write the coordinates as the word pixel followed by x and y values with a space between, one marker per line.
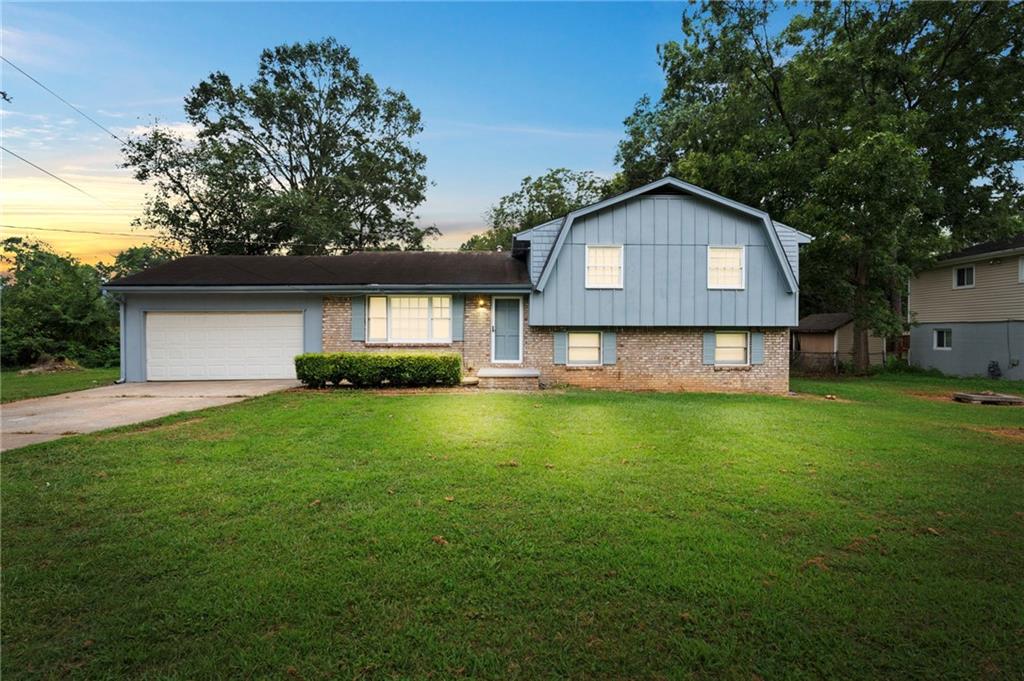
pixel 16 387
pixel 576 534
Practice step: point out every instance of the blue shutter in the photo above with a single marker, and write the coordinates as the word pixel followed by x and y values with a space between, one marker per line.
pixel 458 316
pixel 358 318
pixel 709 347
pixel 561 347
pixel 608 347
pixel 756 347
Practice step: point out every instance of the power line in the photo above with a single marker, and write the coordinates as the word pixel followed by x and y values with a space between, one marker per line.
pixel 82 113
pixel 72 231
pixel 44 170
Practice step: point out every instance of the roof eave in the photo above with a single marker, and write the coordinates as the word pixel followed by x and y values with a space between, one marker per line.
pixel 325 288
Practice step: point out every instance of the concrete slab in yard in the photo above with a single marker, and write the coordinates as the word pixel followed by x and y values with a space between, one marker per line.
pixel 48 418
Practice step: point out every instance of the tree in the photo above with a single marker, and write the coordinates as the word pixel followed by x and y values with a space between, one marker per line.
pixel 311 157
pixel 806 121
pixel 52 305
pixel 538 200
pixel 135 259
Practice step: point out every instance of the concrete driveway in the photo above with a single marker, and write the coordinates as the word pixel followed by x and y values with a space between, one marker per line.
pixel 47 418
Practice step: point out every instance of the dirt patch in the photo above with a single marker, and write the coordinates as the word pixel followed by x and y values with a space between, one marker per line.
pixel 930 396
pixel 1016 434
pixel 51 365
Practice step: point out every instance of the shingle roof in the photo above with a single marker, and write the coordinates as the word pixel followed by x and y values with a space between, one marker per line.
pixel 825 322
pixel 398 268
pixel 989 247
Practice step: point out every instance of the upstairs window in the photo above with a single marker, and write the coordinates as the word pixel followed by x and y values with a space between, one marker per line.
pixel 409 319
pixel 731 347
pixel 725 267
pixel 604 267
pixel 963 277
pixel 943 339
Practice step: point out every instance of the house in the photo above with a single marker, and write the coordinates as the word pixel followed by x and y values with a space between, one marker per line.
pixel 667 287
pixel 823 341
pixel 967 312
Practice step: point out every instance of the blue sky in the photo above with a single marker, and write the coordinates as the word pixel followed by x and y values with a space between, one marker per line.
pixel 506 90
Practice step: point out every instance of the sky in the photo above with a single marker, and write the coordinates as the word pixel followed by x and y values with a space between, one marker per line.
pixel 506 90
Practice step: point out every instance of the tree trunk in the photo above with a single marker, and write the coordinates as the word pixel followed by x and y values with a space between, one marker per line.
pixel 860 304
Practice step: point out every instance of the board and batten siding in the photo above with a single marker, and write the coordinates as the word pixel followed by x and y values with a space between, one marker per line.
pixel 542 240
pixel 665 241
pixel 997 294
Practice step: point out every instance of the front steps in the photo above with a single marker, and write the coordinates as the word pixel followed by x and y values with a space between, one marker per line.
pixel 497 378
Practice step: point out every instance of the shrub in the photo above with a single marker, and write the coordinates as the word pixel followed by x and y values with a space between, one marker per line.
pixel 366 369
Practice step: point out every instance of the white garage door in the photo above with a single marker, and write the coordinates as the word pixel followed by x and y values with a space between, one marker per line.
pixel 208 346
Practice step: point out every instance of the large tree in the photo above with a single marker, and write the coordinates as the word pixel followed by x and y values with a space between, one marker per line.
pixel 52 305
pixel 311 157
pixel 135 259
pixel 887 130
pixel 538 200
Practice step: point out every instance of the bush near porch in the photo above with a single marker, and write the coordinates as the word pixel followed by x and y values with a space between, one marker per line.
pixel 555 534
pixel 366 369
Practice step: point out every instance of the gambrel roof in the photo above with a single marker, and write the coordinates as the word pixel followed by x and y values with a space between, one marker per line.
pixel 672 183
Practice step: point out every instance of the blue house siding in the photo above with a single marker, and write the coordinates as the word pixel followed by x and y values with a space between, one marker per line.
pixel 665 241
pixel 136 305
pixel 975 344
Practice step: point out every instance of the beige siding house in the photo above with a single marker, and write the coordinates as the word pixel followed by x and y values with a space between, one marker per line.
pixel 967 313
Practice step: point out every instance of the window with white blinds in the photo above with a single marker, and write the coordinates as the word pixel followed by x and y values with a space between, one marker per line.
pixel 725 267
pixel 409 319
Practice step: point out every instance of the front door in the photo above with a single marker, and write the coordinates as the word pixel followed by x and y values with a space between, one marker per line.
pixel 506 328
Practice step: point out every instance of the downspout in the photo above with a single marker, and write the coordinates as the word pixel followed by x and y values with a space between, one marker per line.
pixel 120 314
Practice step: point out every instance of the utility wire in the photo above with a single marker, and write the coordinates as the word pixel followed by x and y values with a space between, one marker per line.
pixel 142 235
pixel 72 231
pixel 47 172
pixel 80 112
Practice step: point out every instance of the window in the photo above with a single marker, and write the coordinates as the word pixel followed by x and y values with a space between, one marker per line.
pixel 604 267
pixel 963 277
pixel 943 339
pixel 584 348
pixel 731 347
pixel 1020 269
pixel 377 319
pixel 725 267
pixel 409 319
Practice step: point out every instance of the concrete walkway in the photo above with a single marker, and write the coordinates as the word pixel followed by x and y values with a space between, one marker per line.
pixel 47 418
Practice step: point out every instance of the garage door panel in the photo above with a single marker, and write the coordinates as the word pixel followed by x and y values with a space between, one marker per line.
pixel 222 345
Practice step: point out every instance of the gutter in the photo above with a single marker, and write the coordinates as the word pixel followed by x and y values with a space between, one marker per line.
pixel 366 288
pixel 978 257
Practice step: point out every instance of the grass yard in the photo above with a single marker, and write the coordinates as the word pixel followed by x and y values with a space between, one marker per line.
pixel 579 534
pixel 16 387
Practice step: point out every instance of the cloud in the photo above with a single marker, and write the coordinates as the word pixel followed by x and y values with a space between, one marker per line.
pixel 36 49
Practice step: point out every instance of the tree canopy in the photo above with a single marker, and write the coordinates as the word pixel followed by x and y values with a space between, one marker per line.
pixel 52 305
pixel 310 157
pixel 538 200
pixel 889 131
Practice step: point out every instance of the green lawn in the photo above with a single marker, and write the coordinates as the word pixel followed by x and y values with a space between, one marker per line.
pixel 16 387
pixel 579 534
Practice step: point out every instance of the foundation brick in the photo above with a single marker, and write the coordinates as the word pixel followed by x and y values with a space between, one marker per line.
pixel 647 358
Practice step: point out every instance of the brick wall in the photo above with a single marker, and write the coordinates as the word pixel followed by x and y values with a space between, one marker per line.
pixel 646 358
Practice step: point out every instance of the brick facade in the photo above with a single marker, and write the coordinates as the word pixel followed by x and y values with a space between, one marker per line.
pixel 647 358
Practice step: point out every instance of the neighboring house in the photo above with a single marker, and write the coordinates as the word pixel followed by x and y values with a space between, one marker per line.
pixel 968 311
pixel 667 287
pixel 823 341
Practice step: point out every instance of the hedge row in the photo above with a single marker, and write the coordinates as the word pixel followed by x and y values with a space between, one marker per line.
pixel 369 369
